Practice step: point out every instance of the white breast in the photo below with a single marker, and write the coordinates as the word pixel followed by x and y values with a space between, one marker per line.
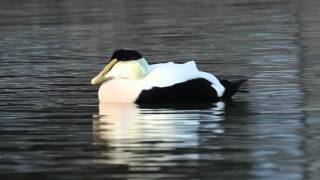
pixel 120 90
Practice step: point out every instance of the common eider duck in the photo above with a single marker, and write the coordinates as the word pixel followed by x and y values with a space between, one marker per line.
pixel 129 78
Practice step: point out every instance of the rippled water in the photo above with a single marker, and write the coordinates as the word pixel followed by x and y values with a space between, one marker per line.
pixel 52 126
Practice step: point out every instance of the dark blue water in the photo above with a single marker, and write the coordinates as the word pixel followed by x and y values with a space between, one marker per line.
pixel 52 126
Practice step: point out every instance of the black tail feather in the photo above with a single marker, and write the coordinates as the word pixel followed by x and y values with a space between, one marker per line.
pixel 232 87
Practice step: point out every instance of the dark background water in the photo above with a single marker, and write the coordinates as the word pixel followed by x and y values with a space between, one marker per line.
pixel 50 127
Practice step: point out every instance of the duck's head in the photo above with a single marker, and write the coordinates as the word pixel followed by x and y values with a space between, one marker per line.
pixel 123 63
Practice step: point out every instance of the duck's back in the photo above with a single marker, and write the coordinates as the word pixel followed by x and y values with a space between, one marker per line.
pixel 170 74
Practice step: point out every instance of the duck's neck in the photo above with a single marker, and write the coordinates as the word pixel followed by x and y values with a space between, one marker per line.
pixel 135 69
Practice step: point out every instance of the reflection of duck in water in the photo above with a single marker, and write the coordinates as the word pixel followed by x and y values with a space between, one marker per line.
pixel 127 120
pixel 137 135
pixel 129 78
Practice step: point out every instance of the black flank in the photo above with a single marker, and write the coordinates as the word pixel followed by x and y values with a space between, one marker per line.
pixel 195 90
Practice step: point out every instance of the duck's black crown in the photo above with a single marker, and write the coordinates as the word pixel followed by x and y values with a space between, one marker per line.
pixel 126 55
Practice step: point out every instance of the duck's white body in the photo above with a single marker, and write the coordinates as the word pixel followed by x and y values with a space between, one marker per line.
pixel 120 88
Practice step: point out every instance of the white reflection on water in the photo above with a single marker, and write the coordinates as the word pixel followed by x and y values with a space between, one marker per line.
pixel 148 135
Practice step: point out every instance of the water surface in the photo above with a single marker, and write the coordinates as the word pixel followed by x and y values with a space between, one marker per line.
pixel 53 127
